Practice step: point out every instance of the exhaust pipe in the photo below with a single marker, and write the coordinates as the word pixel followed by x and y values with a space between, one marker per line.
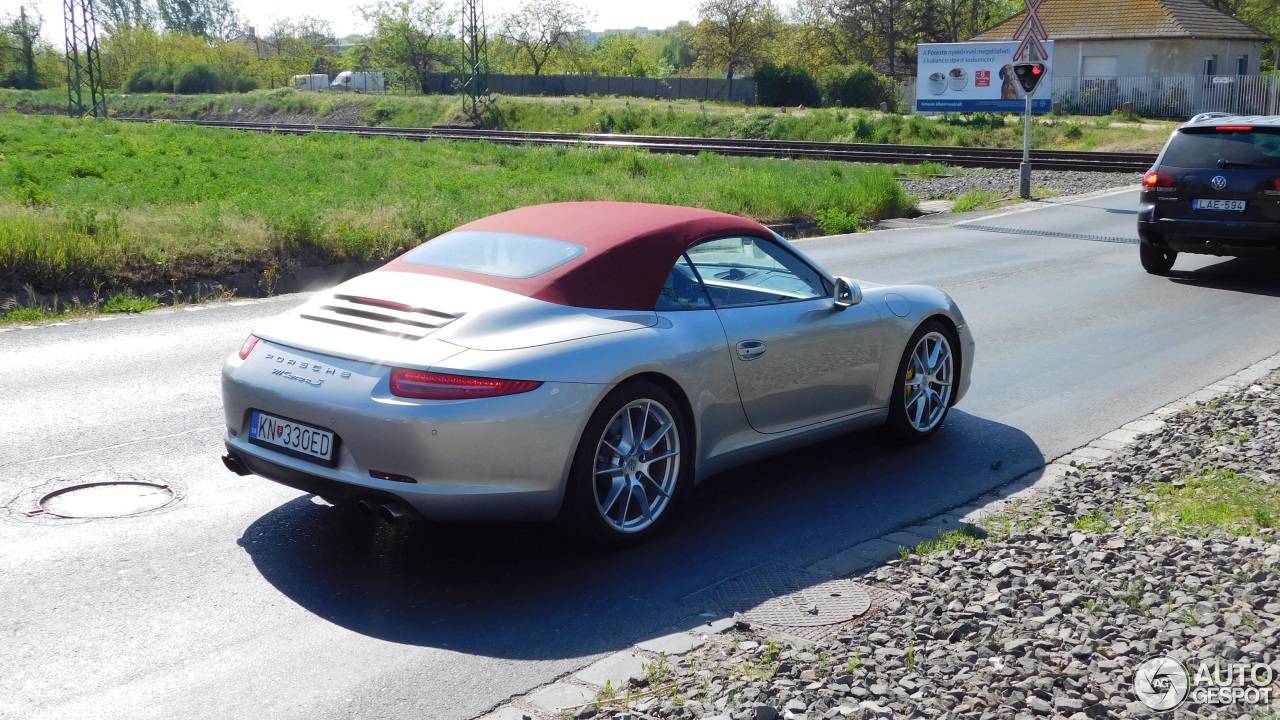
pixel 368 508
pixel 393 515
pixel 235 465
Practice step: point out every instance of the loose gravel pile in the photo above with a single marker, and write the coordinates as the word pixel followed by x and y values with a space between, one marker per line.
pixel 1004 181
pixel 1047 610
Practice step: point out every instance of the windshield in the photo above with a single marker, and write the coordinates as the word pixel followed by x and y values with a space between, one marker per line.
pixel 1205 148
pixel 489 253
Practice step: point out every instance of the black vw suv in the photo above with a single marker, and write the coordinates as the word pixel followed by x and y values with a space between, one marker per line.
pixel 1215 189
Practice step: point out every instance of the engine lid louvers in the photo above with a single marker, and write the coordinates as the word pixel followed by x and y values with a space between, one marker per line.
pixel 383 317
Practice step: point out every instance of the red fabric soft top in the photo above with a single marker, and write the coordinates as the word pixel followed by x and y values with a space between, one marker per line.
pixel 630 249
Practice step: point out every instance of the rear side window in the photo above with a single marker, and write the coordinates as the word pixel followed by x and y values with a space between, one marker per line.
pixel 1205 148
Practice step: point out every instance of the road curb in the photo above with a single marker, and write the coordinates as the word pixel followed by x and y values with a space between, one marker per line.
pixel 552 700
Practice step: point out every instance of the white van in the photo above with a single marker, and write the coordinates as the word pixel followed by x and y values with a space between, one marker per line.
pixel 361 82
pixel 318 81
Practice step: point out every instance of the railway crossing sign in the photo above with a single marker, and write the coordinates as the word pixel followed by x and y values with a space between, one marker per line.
pixel 1032 34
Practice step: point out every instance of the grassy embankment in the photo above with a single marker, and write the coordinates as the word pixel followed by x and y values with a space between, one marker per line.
pixel 118 205
pixel 634 115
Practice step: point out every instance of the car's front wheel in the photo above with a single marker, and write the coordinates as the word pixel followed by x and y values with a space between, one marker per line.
pixel 1155 260
pixel 924 385
pixel 630 466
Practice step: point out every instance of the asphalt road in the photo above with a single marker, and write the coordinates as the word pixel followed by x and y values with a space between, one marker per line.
pixel 247 599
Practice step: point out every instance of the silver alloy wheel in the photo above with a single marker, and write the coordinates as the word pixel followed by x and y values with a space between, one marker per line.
pixel 637 464
pixel 927 386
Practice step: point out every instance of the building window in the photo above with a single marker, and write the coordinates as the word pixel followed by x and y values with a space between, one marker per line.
pixel 1242 65
pixel 1210 64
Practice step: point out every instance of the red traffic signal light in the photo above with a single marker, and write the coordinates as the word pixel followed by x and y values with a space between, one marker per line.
pixel 1029 75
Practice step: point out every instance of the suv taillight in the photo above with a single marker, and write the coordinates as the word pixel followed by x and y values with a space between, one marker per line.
pixel 1272 187
pixel 1156 180
pixel 438 386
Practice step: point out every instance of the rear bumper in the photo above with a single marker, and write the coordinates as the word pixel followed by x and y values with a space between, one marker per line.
pixel 503 458
pixel 1209 237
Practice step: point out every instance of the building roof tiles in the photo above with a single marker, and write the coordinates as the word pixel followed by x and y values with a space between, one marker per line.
pixel 1116 19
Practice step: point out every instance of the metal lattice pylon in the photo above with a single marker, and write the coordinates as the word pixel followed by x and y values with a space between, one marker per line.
pixel 475 45
pixel 84 63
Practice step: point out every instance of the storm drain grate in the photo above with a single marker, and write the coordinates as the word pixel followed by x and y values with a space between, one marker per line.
pixel 798 602
pixel 112 499
pixel 1050 233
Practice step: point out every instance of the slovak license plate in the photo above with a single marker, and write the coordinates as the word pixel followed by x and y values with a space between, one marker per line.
pixel 1232 205
pixel 293 438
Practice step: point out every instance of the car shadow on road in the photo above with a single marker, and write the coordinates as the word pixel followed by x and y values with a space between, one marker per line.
pixel 1255 274
pixel 531 591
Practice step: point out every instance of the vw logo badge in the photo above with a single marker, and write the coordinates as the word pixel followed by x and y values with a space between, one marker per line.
pixel 1218 182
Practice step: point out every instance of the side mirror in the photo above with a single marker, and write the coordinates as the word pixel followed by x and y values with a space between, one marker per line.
pixel 847 293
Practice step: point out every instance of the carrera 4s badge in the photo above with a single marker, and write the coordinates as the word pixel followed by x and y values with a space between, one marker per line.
pixel 313 382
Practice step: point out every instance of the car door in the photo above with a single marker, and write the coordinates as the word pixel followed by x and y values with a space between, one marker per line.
pixel 798 358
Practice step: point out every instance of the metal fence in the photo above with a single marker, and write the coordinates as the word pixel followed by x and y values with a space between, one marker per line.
pixel 1156 96
pixel 559 85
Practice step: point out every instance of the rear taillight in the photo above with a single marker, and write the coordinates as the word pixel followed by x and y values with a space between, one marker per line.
pixel 248 346
pixel 1234 128
pixel 1156 180
pixel 1271 187
pixel 438 386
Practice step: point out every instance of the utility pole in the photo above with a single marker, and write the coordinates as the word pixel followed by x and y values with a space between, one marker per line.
pixel 475 46
pixel 84 62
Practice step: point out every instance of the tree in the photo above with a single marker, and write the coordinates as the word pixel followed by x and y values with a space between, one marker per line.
pixel 732 34
pixel 296 47
pixel 626 55
pixel 676 46
pixel 409 37
pixel 540 30
pixel 213 19
pixel 23 36
pixel 114 13
pixel 843 32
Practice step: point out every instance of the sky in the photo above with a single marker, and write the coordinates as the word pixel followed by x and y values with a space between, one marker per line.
pixel 609 14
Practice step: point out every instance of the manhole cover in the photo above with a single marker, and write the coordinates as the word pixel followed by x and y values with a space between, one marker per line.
pixel 831 602
pixel 105 499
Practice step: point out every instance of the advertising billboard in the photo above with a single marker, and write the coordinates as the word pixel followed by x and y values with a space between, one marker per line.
pixel 976 77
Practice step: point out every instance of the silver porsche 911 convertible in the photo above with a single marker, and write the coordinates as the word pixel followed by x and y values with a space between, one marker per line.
pixel 589 360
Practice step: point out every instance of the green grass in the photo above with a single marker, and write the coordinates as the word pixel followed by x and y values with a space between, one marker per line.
pixel 1216 500
pixel 128 303
pixel 965 536
pixel 630 115
pixel 84 203
pixel 1094 522
pixel 977 200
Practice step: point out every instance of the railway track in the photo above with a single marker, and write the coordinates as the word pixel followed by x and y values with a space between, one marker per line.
pixel 845 152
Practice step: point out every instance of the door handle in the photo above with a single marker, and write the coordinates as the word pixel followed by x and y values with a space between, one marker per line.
pixel 750 349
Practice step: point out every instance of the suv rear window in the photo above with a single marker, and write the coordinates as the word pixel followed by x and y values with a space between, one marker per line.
pixel 1204 147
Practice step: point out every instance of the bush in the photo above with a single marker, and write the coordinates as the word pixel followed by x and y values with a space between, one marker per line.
pixel 858 86
pixel 195 77
pixel 192 78
pixel 786 85
pixel 149 78
pixel 244 84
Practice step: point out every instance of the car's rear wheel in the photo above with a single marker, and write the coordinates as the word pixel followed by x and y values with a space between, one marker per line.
pixel 630 466
pixel 924 385
pixel 1156 261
